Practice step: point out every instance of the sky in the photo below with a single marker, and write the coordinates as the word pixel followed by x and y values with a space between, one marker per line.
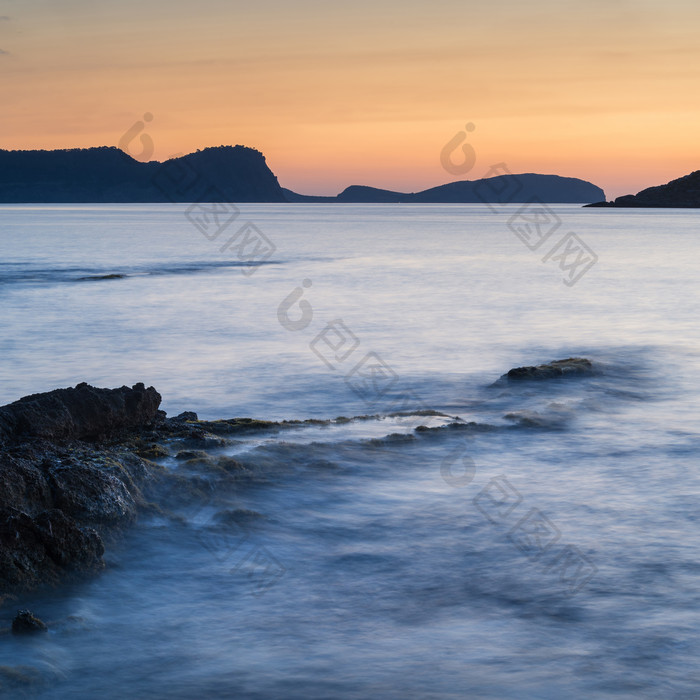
pixel 369 91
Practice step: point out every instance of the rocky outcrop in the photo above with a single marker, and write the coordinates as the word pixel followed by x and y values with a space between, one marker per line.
pixel 81 413
pixel 572 366
pixel 61 485
pixel 75 466
pixel 683 193
pixel 26 622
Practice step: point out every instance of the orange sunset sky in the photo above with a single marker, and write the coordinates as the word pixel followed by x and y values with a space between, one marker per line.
pixel 365 92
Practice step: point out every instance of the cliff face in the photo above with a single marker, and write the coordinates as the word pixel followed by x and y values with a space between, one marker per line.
pixel 237 173
pixel 683 193
pixel 226 173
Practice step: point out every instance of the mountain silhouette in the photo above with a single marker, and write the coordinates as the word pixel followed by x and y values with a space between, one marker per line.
pixel 499 189
pixel 107 174
pixel 234 174
pixel 683 193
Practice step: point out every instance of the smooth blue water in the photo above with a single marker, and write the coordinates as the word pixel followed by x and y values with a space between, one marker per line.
pixel 375 570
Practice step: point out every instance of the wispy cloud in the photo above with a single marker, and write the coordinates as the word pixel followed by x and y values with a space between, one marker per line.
pixel 4 53
pixel 5 18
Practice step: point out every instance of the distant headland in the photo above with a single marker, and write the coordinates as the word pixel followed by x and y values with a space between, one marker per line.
pixel 235 174
pixel 683 193
pixel 502 189
pixel 108 175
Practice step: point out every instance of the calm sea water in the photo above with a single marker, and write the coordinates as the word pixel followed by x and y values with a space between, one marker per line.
pixel 552 553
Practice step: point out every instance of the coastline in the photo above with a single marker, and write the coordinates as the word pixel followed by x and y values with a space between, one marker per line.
pixel 79 465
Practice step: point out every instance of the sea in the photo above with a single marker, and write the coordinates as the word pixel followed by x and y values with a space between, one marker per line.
pixel 428 529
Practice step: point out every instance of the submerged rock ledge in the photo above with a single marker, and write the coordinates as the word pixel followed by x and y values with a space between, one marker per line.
pixel 571 366
pixel 76 466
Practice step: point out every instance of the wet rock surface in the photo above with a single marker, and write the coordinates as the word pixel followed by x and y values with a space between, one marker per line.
pixel 26 622
pixel 68 473
pixel 77 465
pixel 80 413
pixel 572 366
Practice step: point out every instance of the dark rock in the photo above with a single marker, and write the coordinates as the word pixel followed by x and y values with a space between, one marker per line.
pixel 68 545
pixel 234 426
pixel 229 464
pixel 98 278
pixel 555 417
pixel 152 451
pixel 189 455
pixel 203 441
pixel 572 366
pixel 58 481
pixel 23 484
pixel 682 193
pixel 91 494
pixel 27 623
pixel 460 427
pixel 81 413
pixel 75 467
pixel 42 549
pixel 186 416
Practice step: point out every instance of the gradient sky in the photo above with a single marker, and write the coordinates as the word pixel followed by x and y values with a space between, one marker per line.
pixel 365 92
